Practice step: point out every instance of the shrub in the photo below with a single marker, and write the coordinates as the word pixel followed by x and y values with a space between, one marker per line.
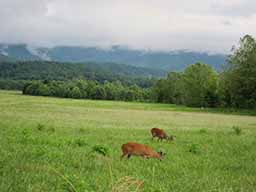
pixel 40 127
pixel 51 129
pixel 194 148
pixel 81 130
pixel 101 150
pixel 237 130
pixel 202 131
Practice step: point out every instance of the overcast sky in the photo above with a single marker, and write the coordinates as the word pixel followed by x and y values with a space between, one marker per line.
pixel 200 25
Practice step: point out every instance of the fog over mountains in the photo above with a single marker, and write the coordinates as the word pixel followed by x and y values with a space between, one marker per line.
pixel 174 60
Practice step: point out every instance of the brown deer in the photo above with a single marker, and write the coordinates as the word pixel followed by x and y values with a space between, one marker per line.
pixel 137 149
pixel 160 134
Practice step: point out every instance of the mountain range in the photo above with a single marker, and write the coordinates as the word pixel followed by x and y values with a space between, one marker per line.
pixel 159 60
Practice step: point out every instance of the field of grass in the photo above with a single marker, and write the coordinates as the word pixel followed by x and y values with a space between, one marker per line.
pixel 52 144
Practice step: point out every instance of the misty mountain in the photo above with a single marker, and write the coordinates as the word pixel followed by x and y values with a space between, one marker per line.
pixel 167 61
pixel 4 58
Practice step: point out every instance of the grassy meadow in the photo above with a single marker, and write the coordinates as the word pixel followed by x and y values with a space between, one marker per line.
pixel 57 145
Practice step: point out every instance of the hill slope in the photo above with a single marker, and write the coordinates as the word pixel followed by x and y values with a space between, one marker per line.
pixel 40 70
pixel 168 61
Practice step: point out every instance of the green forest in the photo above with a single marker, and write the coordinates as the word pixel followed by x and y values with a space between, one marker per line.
pixel 199 85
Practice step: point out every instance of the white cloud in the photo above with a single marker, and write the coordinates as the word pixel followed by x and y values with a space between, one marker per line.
pixel 212 25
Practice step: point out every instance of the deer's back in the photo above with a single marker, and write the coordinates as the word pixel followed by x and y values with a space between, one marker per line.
pixel 158 132
pixel 136 148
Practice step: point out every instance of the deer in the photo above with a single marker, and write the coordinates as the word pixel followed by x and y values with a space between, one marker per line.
pixel 160 134
pixel 137 149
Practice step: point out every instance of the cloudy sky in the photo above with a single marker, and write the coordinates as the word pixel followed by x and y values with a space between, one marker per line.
pixel 200 25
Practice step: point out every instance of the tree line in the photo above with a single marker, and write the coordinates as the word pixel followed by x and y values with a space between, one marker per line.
pixel 10 84
pixel 199 85
pixel 87 89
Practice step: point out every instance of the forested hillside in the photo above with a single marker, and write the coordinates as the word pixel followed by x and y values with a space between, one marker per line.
pixel 173 60
pixel 41 70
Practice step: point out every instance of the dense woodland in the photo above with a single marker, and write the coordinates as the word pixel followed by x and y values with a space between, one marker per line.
pixel 199 85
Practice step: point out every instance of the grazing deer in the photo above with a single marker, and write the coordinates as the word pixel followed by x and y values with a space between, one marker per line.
pixel 160 134
pixel 137 149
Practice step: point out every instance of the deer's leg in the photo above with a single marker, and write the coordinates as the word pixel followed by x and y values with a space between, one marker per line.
pixel 144 156
pixel 123 155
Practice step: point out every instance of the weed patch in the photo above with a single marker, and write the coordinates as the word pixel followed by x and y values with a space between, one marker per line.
pixel 237 130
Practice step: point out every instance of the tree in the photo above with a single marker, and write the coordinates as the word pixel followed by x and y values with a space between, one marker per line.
pixel 175 88
pixel 160 91
pixel 32 88
pixel 239 78
pixel 137 92
pixel 111 91
pixel 43 90
pixel 91 89
pixel 82 85
pixel 100 92
pixel 76 93
pixel 200 85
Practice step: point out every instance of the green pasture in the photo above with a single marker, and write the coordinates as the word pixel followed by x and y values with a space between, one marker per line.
pixel 56 145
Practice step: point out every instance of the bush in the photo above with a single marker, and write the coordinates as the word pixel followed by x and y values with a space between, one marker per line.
pixel 40 127
pixel 202 131
pixel 51 129
pixel 194 148
pixel 237 130
pixel 81 130
pixel 101 150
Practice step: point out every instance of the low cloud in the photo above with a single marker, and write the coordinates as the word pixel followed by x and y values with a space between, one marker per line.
pixel 202 25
